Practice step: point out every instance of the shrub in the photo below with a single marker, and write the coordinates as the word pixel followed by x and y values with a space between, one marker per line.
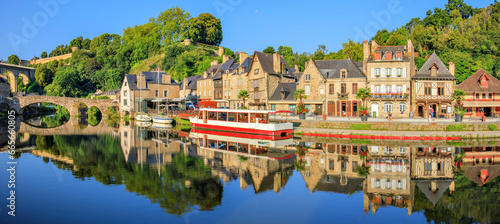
pixel 455 127
pixel 492 127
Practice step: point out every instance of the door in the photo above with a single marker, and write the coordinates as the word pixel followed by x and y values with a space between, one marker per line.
pixel 421 111
pixel 487 111
pixel 354 108
pixel 344 109
pixel 319 109
pixel 331 108
pixel 374 110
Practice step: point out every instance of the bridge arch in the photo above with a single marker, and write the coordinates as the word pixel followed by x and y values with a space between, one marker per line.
pixel 15 71
pixel 12 78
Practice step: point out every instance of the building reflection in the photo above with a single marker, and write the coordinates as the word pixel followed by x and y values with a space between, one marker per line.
pixel 481 163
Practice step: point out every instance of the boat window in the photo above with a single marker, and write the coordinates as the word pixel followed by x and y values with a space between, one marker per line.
pixel 222 116
pixel 201 142
pixel 200 115
pixel 258 118
pixel 232 146
pixel 223 145
pixel 212 115
pixel 212 144
pixel 252 149
pixel 231 117
pixel 242 148
pixel 243 117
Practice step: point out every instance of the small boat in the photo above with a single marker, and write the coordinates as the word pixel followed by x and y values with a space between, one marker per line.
pixel 143 124
pixel 161 126
pixel 142 117
pixel 162 119
pixel 242 123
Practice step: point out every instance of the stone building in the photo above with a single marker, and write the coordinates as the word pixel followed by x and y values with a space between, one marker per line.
pixel 4 89
pixel 482 95
pixel 389 70
pixel 331 86
pixel 265 73
pixel 432 87
pixel 235 81
pixel 210 85
pixel 112 94
pixel 188 87
pixel 138 91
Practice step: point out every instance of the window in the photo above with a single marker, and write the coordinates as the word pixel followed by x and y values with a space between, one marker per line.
pixel 433 71
pixel 388 89
pixel 388 183
pixel 211 115
pixel 388 72
pixel 427 88
pixel 399 55
pixel 256 71
pixel 209 92
pixel 489 95
pixel 440 89
pixel 402 107
pixel 165 93
pixel 378 55
pixel 291 106
pixel 331 89
pixel 388 107
pixel 399 89
pixel 125 93
pixel 388 56
pixel 321 91
pixel 477 95
pixel 399 72
pixel 343 74
pixel 222 116
pixel 125 84
pixel 377 72
pixel 342 88
pixel 273 106
pixel 377 89
pixel 377 183
pixel 307 90
pixel 124 102
pixel 484 96
pixel 354 166
pixel 205 82
pixel 308 77
pixel 243 117
pixel 354 88
pixel 231 116
pixel 332 164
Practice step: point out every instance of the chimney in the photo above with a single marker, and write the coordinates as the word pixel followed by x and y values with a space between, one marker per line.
pixel 276 63
pixel 221 50
pixel 166 78
pixel 243 56
pixel 374 45
pixel 225 58
pixel 214 62
pixel 410 46
pixel 141 81
pixel 296 68
pixel 205 74
pixel 366 55
pixel 452 68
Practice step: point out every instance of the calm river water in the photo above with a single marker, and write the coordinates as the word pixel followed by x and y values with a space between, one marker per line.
pixel 131 174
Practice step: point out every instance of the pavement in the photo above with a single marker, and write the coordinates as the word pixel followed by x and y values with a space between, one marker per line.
pixel 472 134
pixel 394 119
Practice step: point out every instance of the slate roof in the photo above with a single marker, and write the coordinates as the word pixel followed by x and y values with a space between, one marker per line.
pixel 472 84
pixel 332 183
pixel 219 69
pixel 406 55
pixel 442 72
pixel 267 63
pixel 132 81
pixel 472 172
pixel 442 186
pixel 191 82
pixel 330 69
pixel 289 89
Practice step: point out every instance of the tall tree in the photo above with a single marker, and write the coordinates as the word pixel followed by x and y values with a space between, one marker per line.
pixel 269 50
pixel 172 24
pixel 44 54
pixel 13 59
pixel 205 29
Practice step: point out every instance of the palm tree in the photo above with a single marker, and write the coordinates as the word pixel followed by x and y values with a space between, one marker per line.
pixel 363 94
pixel 243 94
pixel 299 94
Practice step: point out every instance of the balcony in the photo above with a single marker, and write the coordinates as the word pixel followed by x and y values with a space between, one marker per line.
pixel 389 96
pixel 342 96
pixel 256 89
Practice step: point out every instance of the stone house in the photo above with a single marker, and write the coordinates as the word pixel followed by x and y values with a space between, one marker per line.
pixel 188 87
pixel 112 94
pixel 210 85
pixel 4 89
pixel 331 86
pixel 389 70
pixel 265 73
pixel 235 80
pixel 138 91
pixel 432 87
pixel 482 94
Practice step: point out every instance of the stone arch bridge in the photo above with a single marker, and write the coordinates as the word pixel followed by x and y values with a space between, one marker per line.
pixel 14 72
pixel 68 102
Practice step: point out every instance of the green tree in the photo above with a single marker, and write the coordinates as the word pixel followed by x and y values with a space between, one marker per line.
pixel 173 24
pixel 269 50
pixel 299 94
pixel 13 59
pixel 243 94
pixel 205 29
pixel 43 75
pixel 77 42
pixel 44 54
pixel 363 94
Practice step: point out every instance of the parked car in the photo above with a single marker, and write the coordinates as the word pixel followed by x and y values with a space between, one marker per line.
pixel 190 106
pixel 223 107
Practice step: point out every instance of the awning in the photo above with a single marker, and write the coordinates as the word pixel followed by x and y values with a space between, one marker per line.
pixel 160 100
pixel 280 111
pixel 481 104
pixel 178 99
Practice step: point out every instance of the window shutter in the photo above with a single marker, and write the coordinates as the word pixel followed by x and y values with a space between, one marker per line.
pixel 393 88
pixel 372 168
pixel 404 183
pixel 373 73
pixel 382 72
pixel 394 72
pixel 404 88
pixel 394 184
pixel 382 89
pixel 394 167
pixel 404 168
pixel 373 182
pixel 383 183
pixel 372 89
pixel 404 72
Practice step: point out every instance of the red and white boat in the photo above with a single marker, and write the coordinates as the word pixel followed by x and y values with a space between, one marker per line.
pixel 241 123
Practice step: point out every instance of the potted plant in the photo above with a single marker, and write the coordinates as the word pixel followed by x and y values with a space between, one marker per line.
pixel 459 110
pixel 301 108
pixel 363 94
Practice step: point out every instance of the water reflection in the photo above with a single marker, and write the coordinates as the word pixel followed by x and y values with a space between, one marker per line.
pixel 182 171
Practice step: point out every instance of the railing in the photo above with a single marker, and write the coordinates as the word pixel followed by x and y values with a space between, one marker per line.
pixel 389 96
pixel 342 95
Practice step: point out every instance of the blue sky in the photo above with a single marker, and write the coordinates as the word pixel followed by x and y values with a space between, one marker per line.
pixel 29 28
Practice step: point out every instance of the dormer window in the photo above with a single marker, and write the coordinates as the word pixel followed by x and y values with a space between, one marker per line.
pixel 378 55
pixel 125 84
pixel 399 55
pixel 388 56
pixel 308 77
pixel 256 71
pixel 484 81
pixel 434 70
pixel 343 74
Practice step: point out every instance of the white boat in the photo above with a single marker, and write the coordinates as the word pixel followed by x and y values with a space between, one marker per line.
pixel 162 119
pixel 242 123
pixel 142 117
pixel 143 124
